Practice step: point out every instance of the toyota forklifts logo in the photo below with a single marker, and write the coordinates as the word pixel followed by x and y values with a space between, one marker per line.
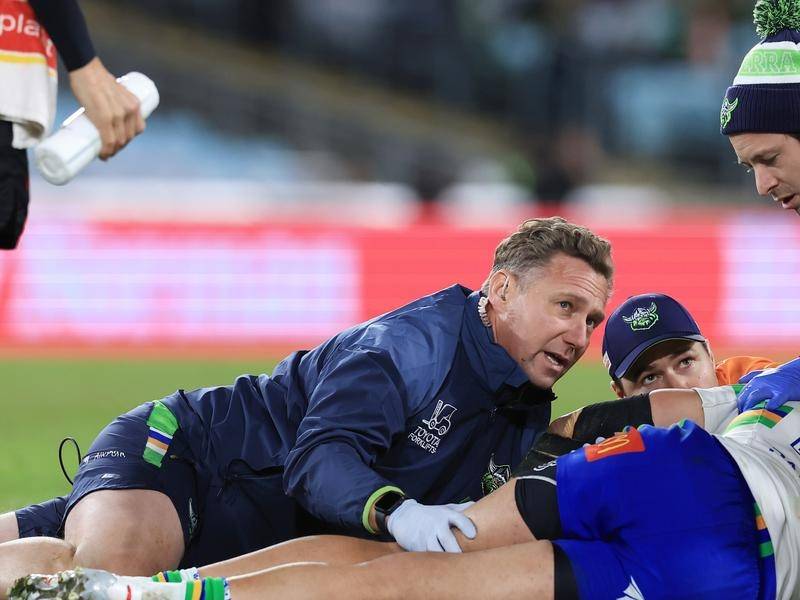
pixel 439 423
pixel 440 419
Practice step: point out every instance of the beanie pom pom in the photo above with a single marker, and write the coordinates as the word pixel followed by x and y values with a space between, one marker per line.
pixel 773 16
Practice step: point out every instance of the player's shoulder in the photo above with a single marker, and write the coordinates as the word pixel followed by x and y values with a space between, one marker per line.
pixel 425 321
pixel 730 370
pixel 419 335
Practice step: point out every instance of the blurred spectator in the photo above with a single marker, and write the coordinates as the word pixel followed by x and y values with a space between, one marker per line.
pixel 594 75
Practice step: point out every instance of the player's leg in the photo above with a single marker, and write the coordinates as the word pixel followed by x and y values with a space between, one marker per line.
pixel 521 571
pixel 328 549
pixel 9 530
pixel 528 570
pixel 123 511
pixel 33 555
pixel 497 520
pixel 134 532
pixel 128 531
pixel 39 549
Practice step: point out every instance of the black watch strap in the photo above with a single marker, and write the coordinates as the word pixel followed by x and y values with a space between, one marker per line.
pixel 386 505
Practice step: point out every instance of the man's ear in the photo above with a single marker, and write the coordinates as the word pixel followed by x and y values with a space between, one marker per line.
pixel 617 389
pixel 710 352
pixel 499 283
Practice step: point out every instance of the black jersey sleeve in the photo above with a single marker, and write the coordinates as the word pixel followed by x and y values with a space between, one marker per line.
pixel 66 26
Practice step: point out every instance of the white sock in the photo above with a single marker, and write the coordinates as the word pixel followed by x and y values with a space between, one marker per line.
pixel 142 588
pixel 190 574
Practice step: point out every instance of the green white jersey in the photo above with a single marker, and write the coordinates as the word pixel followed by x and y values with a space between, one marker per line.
pixel 766 446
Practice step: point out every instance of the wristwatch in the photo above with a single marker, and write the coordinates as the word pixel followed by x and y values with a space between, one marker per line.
pixel 386 505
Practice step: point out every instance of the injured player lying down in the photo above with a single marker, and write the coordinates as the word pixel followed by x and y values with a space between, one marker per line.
pixel 649 513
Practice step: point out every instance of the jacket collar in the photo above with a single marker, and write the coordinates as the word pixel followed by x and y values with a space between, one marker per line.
pixel 488 359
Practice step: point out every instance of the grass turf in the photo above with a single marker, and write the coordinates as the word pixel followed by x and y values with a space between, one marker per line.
pixel 46 400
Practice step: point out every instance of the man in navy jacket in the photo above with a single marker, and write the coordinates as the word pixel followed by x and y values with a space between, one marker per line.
pixel 374 433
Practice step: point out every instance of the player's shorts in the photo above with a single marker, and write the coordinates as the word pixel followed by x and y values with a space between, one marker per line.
pixel 652 513
pixel 42 520
pixel 224 510
pixel 13 188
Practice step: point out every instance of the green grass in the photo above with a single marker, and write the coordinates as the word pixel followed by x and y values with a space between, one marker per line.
pixel 44 401
pixel 585 384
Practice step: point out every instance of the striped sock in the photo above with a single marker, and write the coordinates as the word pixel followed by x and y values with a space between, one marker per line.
pixel 190 574
pixel 210 588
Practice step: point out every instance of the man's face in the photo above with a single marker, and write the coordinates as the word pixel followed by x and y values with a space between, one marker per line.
pixel 545 319
pixel 774 159
pixel 671 364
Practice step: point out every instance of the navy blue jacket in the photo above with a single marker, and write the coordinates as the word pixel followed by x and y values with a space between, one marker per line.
pixel 419 399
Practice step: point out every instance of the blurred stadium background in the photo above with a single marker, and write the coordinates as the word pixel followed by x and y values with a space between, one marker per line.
pixel 316 162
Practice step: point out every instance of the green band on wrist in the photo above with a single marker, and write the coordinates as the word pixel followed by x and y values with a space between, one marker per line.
pixel 371 502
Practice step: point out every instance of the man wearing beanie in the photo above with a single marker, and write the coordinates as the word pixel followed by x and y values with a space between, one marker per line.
pixel 761 116
pixel 761 110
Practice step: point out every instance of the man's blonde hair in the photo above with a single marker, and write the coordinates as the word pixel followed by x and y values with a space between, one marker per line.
pixel 536 241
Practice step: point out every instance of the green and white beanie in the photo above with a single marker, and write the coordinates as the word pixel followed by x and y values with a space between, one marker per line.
pixel 765 95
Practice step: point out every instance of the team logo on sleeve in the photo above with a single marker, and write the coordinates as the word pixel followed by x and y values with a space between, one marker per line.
pixel 496 476
pixel 622 443
pixel 643 318
pixel 439 423
pixel 193 519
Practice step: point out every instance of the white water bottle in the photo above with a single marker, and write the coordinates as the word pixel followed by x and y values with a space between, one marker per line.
pixel 77 143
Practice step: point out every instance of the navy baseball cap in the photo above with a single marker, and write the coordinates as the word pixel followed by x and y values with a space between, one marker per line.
pixel 640 323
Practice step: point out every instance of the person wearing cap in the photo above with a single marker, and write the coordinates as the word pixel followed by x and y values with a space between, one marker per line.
pixel 652 342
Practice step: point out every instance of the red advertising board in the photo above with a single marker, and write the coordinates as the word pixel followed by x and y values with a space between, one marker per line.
pixel 88 283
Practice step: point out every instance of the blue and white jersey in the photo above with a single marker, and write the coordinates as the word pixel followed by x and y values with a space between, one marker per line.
pixel 660 513
pixel 766 446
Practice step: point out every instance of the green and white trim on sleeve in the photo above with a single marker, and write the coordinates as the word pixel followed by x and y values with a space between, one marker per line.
pixel 163 425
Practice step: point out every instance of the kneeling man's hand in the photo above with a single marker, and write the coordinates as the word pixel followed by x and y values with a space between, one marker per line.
pixel 773 386
pixel 420 528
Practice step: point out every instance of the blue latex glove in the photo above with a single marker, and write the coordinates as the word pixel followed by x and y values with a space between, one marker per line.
pixel 420 528
pixel 773 386
pixel 749 376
